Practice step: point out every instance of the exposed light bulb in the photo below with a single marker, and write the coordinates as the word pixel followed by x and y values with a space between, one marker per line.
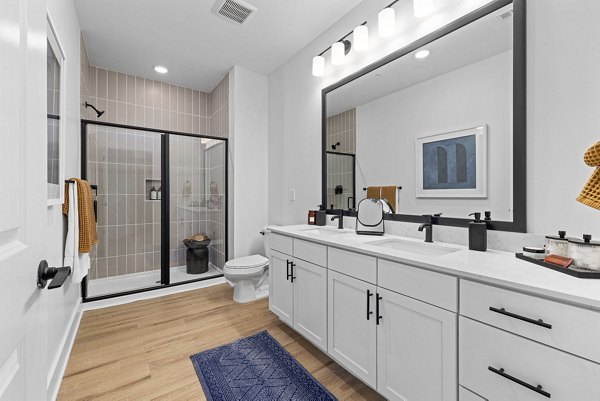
pixel 318 67
pixel 422 8
pixel 422 54
pixel 161 69
pixel 361 38
pixel 386 19
pixel 337 53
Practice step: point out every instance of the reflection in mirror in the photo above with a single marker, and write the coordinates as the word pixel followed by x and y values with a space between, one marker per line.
pixel 439 125
pixel 341 150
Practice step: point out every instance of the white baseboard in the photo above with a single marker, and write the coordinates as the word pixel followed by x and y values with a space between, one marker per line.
pixel 105 303
pixel 59 365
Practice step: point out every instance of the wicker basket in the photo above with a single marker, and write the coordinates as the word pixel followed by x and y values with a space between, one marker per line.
pixel 590 195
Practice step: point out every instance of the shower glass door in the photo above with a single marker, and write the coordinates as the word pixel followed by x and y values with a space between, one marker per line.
pixel 161 208
pixel 198 199
pixel 125 164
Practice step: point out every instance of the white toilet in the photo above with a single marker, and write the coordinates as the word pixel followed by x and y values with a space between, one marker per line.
pixel 249 275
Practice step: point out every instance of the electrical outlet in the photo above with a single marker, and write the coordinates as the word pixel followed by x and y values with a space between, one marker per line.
pixel 293 194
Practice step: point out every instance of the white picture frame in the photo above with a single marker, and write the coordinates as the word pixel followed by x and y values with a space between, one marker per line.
pixel 464 179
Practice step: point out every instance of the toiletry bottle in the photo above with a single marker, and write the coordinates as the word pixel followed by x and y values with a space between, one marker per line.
pixel 153 194
pixel 477 233
pixel 158 193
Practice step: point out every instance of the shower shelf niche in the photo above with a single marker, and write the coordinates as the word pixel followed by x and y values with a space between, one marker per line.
pixel 152 182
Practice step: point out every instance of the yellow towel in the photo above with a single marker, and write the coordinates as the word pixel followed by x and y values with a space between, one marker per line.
pixel 88 236
pixel 373 192
pixel 388 193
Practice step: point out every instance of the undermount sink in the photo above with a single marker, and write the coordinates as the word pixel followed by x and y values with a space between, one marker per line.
pixel 417 248
pixel 325 231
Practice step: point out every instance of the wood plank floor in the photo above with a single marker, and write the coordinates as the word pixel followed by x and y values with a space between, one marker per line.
pixel 141 351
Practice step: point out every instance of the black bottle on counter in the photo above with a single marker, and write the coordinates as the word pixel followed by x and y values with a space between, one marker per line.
pixel 477 234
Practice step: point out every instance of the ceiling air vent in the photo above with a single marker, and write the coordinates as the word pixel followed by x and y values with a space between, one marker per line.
pixel 236 11
pixel 507 14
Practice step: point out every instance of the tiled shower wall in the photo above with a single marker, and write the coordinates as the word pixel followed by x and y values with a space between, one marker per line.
pixel 340 128
pixel 120 161
pixel 147 103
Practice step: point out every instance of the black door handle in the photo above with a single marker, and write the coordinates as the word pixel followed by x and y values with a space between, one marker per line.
pixel 504 312
pixel 379 317
pixel 369 311
pixel 288 275
pixel 538 389
pixel 292 275
pixel 58 275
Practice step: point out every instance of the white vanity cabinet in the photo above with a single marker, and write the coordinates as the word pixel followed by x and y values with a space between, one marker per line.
pixel 298 290
pixel 416 350
pixel 352 329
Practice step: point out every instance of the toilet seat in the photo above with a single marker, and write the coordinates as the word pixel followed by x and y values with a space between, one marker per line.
pixel 246 265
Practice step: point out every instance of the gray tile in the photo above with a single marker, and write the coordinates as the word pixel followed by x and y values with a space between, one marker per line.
pixel 121 209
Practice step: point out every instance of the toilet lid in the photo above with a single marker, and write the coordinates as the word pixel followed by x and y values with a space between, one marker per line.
pixel 247 262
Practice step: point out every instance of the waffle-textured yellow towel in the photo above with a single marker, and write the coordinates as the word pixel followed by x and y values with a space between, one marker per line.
pixel 88 236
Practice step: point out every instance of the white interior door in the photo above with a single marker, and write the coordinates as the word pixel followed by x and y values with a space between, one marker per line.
pixel 23 198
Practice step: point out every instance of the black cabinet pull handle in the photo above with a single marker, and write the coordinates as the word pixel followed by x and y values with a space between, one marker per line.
pixel 538 389
pixel 379 317
pixel 288 275
pixel 369 311
pixel 504 312
pixel 292 264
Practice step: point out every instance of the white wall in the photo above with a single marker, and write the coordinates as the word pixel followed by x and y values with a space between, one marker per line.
pixel 563 97
pixel 248 149
pixel 62 303
pixel 386 129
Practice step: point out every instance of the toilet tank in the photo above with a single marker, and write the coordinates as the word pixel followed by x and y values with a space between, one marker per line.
pixel 266 236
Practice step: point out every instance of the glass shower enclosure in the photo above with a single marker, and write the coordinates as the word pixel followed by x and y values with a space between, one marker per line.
pixel 155 190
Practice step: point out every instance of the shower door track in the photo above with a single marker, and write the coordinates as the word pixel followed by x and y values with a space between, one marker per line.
pixel 165 209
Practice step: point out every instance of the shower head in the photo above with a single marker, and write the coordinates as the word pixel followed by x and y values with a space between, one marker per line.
pixel 98 112
pixel 335 146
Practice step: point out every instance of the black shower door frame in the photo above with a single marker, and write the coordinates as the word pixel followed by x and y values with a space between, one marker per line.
pixel 165 206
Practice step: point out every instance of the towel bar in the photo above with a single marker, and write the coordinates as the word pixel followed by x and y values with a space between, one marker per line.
pixel 399 188
pixel 95 189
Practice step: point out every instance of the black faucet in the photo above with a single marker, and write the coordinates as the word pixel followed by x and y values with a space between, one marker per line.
pixel 428 226
pixel 340 217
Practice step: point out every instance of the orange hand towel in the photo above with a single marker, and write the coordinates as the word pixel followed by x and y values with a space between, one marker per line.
pixel 88 236
pixel 389 193
pixel 374 192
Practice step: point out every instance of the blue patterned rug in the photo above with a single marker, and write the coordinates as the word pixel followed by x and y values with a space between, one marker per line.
pixel 255 368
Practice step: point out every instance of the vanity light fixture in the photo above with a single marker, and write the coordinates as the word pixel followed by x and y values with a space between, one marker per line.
pixel 337 53
pixel 421 54
pixel 422 8
pixel 386 20
pixel 318 67
pixel 360 36
pixel 161 69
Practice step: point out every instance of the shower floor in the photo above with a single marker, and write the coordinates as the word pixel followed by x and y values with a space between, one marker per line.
pixel 136 281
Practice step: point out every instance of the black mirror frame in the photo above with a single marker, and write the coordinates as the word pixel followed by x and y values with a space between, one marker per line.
pixel 519 223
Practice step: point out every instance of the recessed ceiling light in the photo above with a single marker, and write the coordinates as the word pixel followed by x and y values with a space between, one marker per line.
pixel 161 69
pixel 422 54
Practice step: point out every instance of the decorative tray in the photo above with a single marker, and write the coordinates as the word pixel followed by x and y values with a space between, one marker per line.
pixel 571 271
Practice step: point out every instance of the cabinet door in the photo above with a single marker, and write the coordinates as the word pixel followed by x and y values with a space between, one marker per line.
pixel 416 350
pixel 281 289
pixel 351 336
pixel 310 302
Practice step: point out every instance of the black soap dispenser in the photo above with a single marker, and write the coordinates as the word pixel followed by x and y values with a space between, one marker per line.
pixel 477 233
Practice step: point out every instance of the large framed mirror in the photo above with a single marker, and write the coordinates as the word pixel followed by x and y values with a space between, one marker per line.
pixel 437 128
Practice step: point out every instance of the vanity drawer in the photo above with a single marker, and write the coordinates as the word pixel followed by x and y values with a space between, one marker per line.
pixel 562 376
pixel 466 395
pixel 566 327
pixel 353 264
pixel 310 252
pixel 427 286
pixel 281 243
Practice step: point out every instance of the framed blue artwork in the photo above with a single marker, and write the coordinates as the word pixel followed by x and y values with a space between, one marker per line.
pixel 452 165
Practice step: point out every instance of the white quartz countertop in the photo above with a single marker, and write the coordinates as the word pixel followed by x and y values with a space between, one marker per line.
pixel 493 267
